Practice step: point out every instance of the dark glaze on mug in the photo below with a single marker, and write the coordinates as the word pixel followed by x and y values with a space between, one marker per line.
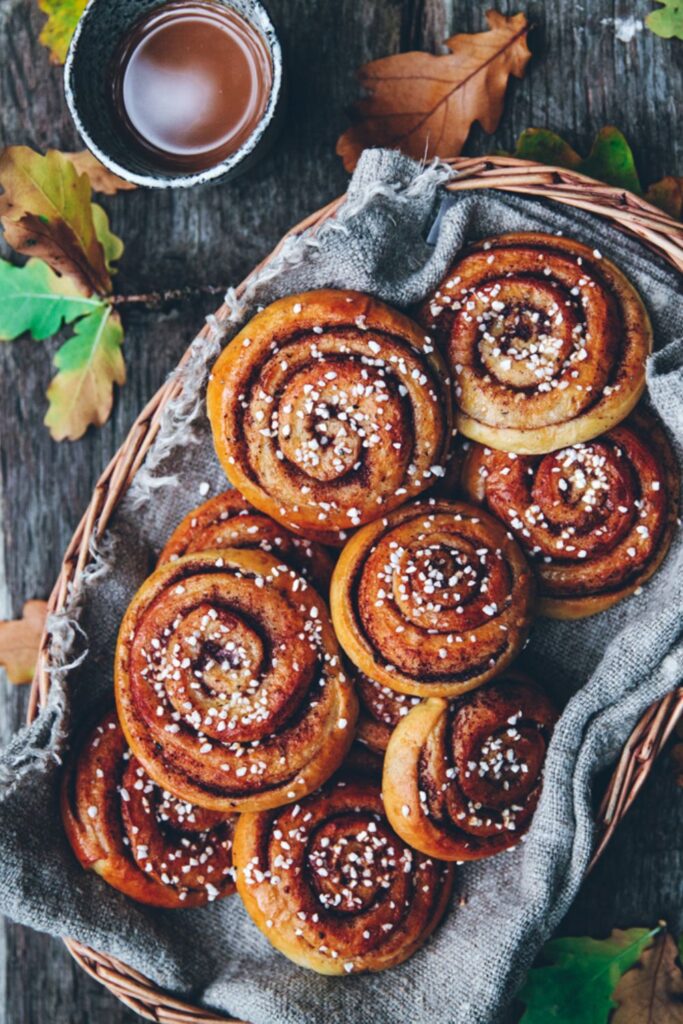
pixel 191 83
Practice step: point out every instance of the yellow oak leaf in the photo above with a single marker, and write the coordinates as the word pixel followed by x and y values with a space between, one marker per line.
pixel 57 31
pixel 101 178
pixel 45 210
pixel 89 365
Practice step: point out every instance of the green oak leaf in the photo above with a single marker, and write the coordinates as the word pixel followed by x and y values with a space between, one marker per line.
pixel 35 299
pixel 89 365
pixel 667 21
pixel 57 31
pixel 546 147
pixel 112 245
pixel 610 159
pixel 577 985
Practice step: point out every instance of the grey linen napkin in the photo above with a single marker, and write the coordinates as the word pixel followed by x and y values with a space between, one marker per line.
pixel 608 668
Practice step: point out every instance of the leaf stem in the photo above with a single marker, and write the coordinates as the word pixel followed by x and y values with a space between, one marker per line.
pixel 167 295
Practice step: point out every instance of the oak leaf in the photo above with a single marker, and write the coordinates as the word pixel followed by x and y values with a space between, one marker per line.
pixel 45 211
pixel 112 245
pixel 546 147
pixel 425 105
pixel 101 178
pixel 667 194
pixel 610 158
pixel 89 364
pixel 20 641
pixel 578 983
pixel 57 31
pixel 35 299
pixel 667 20
pixel 652 991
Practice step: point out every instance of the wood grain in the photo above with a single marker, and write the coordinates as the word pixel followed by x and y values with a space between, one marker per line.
pixel 581 77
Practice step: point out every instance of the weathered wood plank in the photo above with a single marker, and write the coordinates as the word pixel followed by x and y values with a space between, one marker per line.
pixel 581 78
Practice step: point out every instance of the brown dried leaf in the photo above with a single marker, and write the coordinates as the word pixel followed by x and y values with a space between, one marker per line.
pixel 667 194
pixel 101 178
pixel 425 105
pixel 20 640
pixel 652 991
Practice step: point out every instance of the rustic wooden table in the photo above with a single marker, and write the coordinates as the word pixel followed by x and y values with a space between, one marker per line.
pixel 586 72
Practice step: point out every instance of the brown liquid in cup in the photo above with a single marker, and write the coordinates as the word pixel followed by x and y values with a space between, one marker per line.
pixel 191 83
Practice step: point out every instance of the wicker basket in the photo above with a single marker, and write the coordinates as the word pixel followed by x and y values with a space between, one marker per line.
pixel 624 210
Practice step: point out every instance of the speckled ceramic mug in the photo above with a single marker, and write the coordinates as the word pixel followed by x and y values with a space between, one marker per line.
pixel 88 87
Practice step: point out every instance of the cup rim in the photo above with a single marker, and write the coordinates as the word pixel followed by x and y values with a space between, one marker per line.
pixel 161 181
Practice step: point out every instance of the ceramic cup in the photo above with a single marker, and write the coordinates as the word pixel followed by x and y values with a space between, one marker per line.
pixel 88 87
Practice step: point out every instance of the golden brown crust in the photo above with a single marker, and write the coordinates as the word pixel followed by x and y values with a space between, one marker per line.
pixel 349 896
pixel 229 683
pixel 461 781
pixel 433 600
pixel 596 520
pixel 546 341
pixel 329 409
pixel 229 521
pixel 142 840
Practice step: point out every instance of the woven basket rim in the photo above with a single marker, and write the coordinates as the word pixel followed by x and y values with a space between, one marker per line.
pixel 626 211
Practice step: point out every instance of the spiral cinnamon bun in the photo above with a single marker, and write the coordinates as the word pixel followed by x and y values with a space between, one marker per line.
pixel 462 779
pixel 228 521
pixel 145 842
pixel 332 886
pixel 328 410
pixel 595 519
pixel 229 684
pixel 432 600
pixel 545 338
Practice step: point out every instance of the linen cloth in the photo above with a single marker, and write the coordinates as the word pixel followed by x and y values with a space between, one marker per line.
pixel 387 240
